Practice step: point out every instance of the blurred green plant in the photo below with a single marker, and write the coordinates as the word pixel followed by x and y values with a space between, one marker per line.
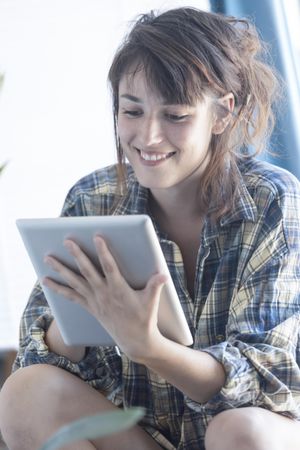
pixel 92 427
pixel 2 167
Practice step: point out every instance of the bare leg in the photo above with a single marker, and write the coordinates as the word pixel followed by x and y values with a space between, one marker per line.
pixel 252 429
pixel 39 399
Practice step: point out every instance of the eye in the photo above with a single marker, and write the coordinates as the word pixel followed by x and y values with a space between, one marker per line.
pixel 176 117
pixel 132 112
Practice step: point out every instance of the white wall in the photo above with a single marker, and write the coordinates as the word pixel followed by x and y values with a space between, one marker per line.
pixel 55 117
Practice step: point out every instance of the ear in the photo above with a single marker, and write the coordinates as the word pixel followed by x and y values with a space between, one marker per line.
pixel 223 114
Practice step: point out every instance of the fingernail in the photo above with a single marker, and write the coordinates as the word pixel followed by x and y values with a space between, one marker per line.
pixel 98 239
pixel 68 245
pixel 49 261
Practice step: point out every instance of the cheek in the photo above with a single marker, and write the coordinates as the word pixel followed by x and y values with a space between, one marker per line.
pixel 198 135
pixel 181 136
pixel 125 131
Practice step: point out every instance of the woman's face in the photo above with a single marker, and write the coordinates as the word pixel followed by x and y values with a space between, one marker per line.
pixel 166 144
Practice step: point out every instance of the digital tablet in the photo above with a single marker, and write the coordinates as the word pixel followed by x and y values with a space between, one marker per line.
pixel 133 243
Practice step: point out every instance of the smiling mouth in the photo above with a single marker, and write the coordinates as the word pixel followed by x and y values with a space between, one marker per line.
pixel 155 156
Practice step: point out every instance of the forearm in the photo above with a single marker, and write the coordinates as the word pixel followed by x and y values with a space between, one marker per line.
pixel 197 374
pixel 56 344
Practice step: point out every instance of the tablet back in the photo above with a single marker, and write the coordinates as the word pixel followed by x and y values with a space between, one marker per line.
pixel 133 243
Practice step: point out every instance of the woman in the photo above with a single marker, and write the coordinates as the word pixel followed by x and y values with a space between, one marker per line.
pixel 191 95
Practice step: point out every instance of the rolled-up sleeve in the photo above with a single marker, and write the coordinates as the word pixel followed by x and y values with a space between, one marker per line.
pixel 101 367
pixel 260 352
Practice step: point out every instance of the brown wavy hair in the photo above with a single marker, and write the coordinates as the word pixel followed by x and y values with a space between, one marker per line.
pixel 186 52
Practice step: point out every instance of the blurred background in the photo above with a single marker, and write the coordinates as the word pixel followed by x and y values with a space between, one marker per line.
pixel 55 111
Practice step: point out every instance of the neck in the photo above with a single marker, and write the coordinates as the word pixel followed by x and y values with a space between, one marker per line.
pixel 175 202
pixel 175 212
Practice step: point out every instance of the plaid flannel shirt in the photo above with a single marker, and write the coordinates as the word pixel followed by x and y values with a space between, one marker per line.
pixel 245 311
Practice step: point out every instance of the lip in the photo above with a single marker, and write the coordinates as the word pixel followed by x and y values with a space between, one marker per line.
pixel 154 158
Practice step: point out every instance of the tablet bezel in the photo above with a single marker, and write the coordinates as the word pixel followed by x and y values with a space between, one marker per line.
pixel 133 243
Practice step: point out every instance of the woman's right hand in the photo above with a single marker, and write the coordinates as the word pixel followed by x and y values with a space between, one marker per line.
pixel 130 316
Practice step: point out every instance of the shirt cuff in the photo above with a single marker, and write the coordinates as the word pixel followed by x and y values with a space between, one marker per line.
pixel 101 366
pixel 241 386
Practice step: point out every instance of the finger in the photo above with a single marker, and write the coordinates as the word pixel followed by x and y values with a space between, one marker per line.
pixel 107 261
pixel 65 291
pixel 84 264
pixel 74 280
pixel 154 288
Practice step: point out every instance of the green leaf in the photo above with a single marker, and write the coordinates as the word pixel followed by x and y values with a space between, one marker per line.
pixel 2 167
pixel 92 427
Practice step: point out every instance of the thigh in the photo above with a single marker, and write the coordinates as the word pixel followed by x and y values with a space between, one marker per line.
pixel 37 400
pixel 254 429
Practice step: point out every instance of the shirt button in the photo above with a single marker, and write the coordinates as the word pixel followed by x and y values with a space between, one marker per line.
pixel 220 338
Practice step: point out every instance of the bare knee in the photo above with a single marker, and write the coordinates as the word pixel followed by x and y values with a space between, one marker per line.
pixel 23 399
pixel 12 404
pixel 238 429
pixel 28 384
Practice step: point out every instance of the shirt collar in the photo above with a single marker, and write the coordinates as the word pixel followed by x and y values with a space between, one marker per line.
pixel 244 208
pixel 135 198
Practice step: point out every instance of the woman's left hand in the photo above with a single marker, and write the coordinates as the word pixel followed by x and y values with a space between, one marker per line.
pixel 130 316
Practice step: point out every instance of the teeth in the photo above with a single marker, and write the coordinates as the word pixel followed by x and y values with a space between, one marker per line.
pixel 154 157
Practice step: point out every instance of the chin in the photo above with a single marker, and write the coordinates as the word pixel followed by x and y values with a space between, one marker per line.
pixel 152 183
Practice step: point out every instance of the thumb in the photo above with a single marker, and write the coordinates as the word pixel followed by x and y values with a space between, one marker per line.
pixel 156 283
pixel 154 287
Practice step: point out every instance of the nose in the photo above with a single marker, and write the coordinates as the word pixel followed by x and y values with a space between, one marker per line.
pixel 151 132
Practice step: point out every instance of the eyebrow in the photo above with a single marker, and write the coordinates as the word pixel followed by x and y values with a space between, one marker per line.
pixel 133 98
